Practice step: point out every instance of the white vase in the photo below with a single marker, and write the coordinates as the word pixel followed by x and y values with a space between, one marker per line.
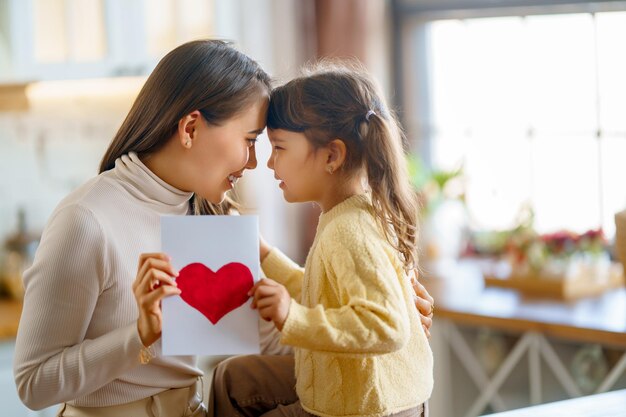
pixel 444 231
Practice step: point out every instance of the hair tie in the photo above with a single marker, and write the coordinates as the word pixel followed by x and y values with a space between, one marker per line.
pixel 369 113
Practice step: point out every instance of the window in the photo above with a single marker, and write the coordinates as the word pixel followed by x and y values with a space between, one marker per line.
pixel 533 106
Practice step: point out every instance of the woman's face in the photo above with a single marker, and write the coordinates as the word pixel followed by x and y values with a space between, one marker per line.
pixel 221 154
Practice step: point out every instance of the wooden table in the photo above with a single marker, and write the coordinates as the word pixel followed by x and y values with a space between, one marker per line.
pixel 461 296
pixel 611 404
pixel 540 325
pixel 10 311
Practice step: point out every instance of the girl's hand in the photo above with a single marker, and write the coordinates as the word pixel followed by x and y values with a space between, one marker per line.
pixel 424 303
pixel 155 281
pixel 272 300
pixel 264 248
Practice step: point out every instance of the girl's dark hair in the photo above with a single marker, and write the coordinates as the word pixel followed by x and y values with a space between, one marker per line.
pixel 205 75
pixel 331 101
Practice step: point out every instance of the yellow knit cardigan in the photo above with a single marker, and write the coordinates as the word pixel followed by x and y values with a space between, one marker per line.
pixel 360 349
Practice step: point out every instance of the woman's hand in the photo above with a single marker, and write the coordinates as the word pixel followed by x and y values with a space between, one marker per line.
pixel 264 248
pixel 155 281
pixel 272 300
pixel 424 303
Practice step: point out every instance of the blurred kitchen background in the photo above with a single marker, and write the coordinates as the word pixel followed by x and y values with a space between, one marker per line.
pixel 515 117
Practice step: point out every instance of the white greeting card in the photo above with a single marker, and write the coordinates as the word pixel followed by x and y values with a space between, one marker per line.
pixel 218 261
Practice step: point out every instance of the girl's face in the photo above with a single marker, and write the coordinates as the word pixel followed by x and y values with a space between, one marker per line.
pixel 300 170
pixel 222 153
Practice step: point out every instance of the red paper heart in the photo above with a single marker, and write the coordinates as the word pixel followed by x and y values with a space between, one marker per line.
pixel 215 294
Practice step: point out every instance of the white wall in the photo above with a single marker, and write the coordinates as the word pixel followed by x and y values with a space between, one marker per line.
pixel 270 32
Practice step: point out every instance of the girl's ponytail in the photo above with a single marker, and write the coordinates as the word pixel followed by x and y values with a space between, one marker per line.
pixel 394 200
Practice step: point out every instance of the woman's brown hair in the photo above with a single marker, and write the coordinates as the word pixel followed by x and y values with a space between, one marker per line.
pixel 205 75
pixel 332 101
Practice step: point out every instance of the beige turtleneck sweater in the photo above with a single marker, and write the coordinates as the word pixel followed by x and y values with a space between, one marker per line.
pixel 77 340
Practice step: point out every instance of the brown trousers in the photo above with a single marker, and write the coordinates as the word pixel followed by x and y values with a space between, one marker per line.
pixel 263 385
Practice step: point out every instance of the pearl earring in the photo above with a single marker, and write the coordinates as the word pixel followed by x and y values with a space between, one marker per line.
pixel 188 143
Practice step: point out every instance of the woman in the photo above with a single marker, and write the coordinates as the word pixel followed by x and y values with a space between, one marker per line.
pixel 89 332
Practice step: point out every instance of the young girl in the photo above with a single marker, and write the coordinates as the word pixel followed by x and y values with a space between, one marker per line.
pixel 359 347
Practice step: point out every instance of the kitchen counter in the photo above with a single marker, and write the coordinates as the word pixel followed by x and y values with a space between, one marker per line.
pixel 610 404
pixel 10 311
pixel 461 296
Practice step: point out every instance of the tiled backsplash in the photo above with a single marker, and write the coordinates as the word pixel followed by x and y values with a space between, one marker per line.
pixel 56 145
pixel 44 157
pixel 42 161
